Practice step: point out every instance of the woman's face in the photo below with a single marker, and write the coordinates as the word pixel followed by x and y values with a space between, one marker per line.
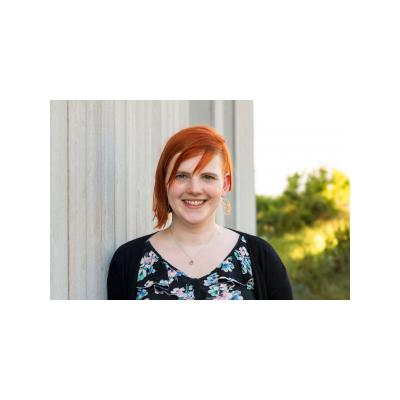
pixel 195 198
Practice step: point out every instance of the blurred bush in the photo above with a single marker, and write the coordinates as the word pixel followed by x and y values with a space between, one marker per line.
pixel 309 226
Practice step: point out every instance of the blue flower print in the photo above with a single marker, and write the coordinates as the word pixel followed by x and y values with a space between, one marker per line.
pixel 227 265
pixel 173 274
pixel 211 279
pixel 146 265
pixel 185 293
pixel 223 292
pixel 250 284
pixel 214 290
pixel 243 256
pixel 141 294
pixel 236 295
pixel 243 239
pixel 246 266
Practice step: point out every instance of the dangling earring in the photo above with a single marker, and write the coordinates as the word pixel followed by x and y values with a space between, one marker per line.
pixel 226 206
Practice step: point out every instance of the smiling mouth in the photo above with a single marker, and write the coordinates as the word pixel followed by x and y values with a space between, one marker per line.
pixel 194 203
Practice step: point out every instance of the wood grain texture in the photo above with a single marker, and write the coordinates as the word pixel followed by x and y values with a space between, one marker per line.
pixel 108 199
pixel 77 139
pixel 132 168
pixel 120 207
pixel 94 195
pixel 245 200
pixel 59 200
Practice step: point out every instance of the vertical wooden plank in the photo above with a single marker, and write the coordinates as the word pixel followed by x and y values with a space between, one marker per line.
pixel 94 215
pixel 59 200
pixel 108 190
pixel 217 121
pixel 176 114
pixel 149 166
pixel 140 148
pixel 230 221
pixel 201 112
pixel 156 148
pixel 131 170
pixel 164 122
pixel 245 212
pixel 77 199
pixel 184 113
pixel 120 173
pixel 167 118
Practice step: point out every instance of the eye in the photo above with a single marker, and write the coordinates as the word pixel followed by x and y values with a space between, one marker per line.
pixel 180 176
pixel 209 177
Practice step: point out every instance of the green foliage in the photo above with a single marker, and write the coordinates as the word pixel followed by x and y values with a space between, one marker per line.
pixel 320 199
pixel 325 275
pixel 309 226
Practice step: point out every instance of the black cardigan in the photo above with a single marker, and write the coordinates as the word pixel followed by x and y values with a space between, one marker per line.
pixel 271 281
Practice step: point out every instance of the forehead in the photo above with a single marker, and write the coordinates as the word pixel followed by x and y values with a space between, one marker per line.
pixel 190 164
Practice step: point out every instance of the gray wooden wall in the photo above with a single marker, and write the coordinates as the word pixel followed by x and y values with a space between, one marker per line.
pixel 103 160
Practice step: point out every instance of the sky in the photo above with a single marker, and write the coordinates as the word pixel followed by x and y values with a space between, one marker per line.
pixel 280 152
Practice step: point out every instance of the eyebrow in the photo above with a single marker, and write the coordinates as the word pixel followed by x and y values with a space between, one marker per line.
pixel 203 173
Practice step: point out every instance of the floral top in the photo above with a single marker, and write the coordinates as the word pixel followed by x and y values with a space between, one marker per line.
pixel 231 280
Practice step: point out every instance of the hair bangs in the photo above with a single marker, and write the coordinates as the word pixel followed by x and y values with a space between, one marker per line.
pixel 206 157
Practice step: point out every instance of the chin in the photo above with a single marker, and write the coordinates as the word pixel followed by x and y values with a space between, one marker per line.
pixel 194 218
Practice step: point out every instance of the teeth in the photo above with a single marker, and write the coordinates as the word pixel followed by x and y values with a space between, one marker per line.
pixel 194 203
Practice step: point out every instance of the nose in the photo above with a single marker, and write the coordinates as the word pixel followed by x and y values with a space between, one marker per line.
pixel 194 185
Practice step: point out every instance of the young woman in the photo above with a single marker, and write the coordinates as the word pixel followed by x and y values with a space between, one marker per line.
pixel 195 258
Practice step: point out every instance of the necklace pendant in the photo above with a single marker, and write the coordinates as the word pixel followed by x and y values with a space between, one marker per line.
pixel 191 262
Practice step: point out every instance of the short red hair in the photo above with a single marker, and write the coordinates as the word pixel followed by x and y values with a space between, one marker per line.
pixel 189 142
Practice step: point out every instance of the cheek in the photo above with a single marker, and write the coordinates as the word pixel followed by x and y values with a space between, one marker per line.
pixel 214 190
pixel 175 190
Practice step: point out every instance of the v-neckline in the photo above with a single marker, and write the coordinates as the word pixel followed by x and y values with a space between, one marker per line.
pixel 184 273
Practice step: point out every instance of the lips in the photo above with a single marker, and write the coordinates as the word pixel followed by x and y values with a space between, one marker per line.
pixel 194 203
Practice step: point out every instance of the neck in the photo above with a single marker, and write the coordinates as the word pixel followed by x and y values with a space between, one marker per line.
pixel 192 235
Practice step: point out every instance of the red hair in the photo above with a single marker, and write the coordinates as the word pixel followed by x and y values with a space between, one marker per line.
pixel 189 142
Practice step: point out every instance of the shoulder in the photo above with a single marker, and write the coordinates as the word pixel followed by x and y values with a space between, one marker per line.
pixel 133 246
pixel 262 252
pixel 123 269
pixel 270 272
pixel 129 254
pixel 257 243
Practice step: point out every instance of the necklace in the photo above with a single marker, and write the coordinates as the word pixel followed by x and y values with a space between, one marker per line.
pixel 191 259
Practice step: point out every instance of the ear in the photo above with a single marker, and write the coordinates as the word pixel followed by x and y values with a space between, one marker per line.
pixel 227 182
